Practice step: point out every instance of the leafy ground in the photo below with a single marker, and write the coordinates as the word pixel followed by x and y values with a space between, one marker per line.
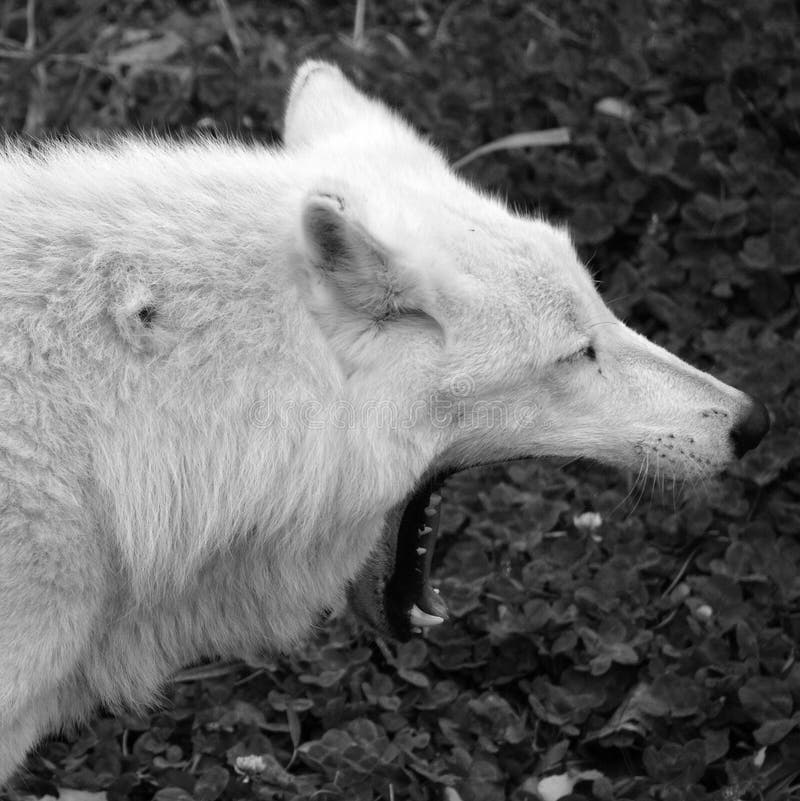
pixel 648 651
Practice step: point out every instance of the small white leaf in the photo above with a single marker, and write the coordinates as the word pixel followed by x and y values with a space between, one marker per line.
pixel 588 521
pixel 614 107
pixel 552 788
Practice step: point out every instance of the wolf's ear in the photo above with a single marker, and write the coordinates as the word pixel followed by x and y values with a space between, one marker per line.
pixel 351 272
pixel 321 102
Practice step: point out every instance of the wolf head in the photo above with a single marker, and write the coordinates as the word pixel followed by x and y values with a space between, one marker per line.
pixel 510 337
pixel 482 322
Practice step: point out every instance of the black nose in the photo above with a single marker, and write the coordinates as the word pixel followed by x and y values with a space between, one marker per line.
pixel 750 429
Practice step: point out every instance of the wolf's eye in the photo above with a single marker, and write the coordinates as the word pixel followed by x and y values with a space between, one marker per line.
pixel 586 352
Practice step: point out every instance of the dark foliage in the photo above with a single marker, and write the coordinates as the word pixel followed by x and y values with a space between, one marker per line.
pixel 646 651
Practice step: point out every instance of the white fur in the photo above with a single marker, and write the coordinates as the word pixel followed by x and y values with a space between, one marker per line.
pixel 160 303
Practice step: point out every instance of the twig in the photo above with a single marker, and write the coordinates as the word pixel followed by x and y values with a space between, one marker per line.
pixel 212 671
pixel 553 25
pixel 674 583
pixel 441 29
pixel 230 28
pixel 35 114
pixel 67 34
pixel 30 22
pixel 546 138
pixel 358 24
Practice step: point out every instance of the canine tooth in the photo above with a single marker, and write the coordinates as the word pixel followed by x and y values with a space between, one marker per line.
pixel 435 589
pixel 424 531
pixel 423 619
pixel 436 499
pixel 430 511
pixel 421 551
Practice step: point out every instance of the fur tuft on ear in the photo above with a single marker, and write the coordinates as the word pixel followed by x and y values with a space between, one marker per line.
pixel 319 70
pixel 322 103
pixel 359 273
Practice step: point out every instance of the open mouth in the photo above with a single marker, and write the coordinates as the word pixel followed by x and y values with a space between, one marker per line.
pixel 393 592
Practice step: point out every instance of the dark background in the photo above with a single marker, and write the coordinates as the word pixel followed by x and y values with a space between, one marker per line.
pixel 652 656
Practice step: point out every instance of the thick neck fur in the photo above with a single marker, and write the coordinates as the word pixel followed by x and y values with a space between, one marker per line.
pixel 210 267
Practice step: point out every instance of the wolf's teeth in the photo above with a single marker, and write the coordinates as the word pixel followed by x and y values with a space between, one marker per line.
pixel 421 551
pixel 423 619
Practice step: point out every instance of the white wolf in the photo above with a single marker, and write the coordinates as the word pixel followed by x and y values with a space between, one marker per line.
pixel 230 376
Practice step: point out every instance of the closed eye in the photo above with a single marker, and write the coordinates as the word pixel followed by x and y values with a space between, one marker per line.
pixel 586 352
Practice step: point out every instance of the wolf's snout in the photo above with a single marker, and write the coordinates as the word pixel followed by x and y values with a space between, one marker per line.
pixel 751 428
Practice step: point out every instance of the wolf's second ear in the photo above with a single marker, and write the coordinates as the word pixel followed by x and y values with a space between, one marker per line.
pixel 321 102
pixel 350 271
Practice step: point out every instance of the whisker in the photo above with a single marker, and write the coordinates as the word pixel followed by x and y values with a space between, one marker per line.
pixel 643 487
pixel 653 482
pixel 630 490
pixel 659 481
pixel 624 295
pixel 674 495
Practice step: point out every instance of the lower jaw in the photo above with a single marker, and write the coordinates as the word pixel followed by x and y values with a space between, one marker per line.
pixel 393 593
